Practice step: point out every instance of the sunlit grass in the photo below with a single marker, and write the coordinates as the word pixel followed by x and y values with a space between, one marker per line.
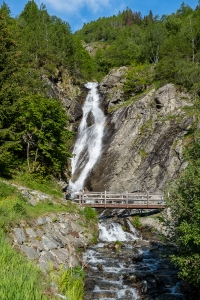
pixel 47 185
pixel 19 279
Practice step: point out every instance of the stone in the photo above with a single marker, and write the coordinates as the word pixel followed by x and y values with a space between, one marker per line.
pixel 30 252
pixel 74 234
pixel 19 236
pixel 31 232
pixel 76 227
pixel 41 221
pixel 61 255
pixel 67 229
pixel 48 244
pixel 36 245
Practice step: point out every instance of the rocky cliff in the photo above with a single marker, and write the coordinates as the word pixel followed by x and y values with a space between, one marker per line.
pixel 143 141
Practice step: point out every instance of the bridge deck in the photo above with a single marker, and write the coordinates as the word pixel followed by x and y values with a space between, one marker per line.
pixel 121 200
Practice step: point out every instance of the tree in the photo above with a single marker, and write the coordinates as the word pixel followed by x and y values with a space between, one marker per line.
pixel 154 38
pixel 8 92
pixel 42 126
pixel 184 202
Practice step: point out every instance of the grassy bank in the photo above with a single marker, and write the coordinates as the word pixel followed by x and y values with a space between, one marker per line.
pixel 19 279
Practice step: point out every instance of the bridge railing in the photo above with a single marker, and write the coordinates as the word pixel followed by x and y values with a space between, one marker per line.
pixel 110 199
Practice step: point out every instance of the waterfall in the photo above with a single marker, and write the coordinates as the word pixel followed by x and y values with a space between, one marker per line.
pixel 88 145
pixel 113 231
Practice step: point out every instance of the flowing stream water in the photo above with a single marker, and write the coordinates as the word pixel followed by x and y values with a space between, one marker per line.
pixel 88 145
pixel 137 269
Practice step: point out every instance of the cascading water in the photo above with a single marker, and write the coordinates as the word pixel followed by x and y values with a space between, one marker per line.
pixel 138 269
pixel 106 268
pixel 87 148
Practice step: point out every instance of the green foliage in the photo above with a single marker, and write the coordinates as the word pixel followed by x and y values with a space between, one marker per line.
pixel 41 124
pixel 94 238
pixel 118 245
pixel 138 78
pixel 185 206
pixel 136 222
pixel 37 182
pixel 19 279
pixel 143 153
pixel 71 282
pixel 170 44
pixel 89 213
pixel 14 207
pixel 12 204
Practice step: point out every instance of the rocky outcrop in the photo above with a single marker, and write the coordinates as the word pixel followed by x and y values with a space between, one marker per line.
pixel 143 142
pixel 111 87
pixel 62 87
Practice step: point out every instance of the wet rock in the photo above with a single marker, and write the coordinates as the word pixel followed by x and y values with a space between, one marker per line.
pixel 169 297
pixel 90 119
pixel 100 267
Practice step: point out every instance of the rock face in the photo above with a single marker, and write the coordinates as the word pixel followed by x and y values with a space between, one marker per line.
pixel 143 142
pixel 111 86
pixel 62 88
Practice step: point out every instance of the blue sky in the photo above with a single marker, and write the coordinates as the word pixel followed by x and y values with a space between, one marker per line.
pixel 76 12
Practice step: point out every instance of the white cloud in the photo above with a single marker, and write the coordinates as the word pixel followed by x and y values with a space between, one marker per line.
pixel 74 6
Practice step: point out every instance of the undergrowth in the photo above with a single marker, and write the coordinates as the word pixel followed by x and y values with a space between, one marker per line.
pixel 136 222
pixel 14 207
pixel 19 279
pixel 70 282
pixel 47 185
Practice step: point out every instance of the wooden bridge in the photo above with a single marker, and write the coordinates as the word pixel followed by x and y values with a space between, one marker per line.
pixel 120 200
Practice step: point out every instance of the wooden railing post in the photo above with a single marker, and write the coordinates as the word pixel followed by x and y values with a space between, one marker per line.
pixel 82 197
pixel 79 197
pixel 147 199
pixel 105 200
pixel 126 199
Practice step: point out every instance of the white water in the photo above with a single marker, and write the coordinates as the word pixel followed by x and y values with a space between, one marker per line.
pixel 88 146
pixel 109 232
pixel 113 232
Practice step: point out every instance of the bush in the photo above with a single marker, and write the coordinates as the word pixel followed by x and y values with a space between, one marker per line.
pixel 184 202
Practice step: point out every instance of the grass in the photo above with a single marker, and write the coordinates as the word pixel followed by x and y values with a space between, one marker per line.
pixel 136 222
pixel 19 279
pixel 143 153
pixel 89 213
pixel 71 282
pixel 47 185
pixel 14 207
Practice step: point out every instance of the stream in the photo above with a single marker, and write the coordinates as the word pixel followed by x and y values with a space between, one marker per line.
pixel 125 266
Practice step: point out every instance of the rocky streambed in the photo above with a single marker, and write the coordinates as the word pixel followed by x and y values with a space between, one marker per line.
pixel 125 266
